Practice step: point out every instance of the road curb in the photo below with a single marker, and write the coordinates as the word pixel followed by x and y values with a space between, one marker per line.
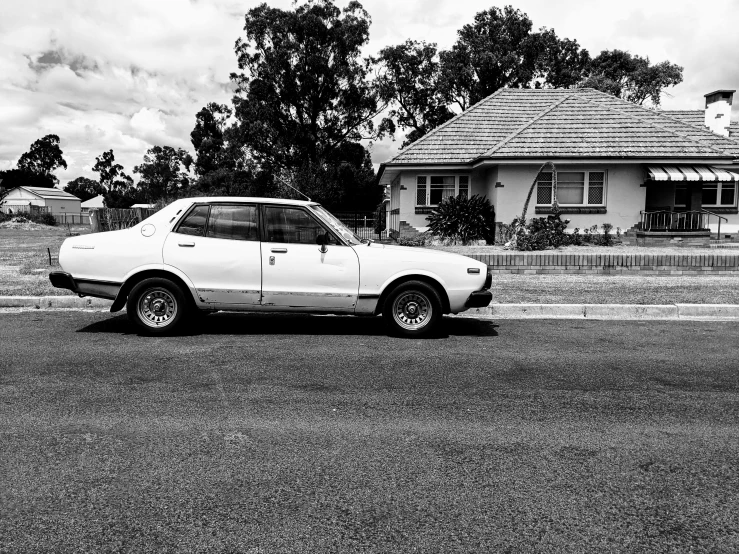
pixel 609 311
pixel 495 311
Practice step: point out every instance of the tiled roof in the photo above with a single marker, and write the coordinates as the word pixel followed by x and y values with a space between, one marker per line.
pixel 556 123
pixel 697 117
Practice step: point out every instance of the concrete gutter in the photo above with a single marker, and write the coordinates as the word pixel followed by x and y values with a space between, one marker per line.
pixel 714 312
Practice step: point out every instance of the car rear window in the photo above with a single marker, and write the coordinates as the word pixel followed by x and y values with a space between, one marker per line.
pixel 233 221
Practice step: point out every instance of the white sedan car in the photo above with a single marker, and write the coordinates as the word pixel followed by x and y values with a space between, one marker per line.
pixel 263 254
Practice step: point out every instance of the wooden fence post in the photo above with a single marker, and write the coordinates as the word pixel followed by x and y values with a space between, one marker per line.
pixel 94 220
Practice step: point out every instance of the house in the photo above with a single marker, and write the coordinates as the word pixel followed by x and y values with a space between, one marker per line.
pixel 96 202
pixel 52 200
pixel 618 163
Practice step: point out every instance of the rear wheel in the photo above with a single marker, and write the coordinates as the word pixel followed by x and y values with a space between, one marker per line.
pixel 156 305
pixel 412 309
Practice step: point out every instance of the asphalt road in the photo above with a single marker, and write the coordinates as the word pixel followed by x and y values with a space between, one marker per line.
pixel 261 433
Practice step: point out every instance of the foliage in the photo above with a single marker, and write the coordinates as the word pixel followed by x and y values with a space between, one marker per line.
pixel 418 240
pixel 464 219
pixel 548 233
pixel 380 219
pixel 119 191
pixel 303 95
pixel 504 233
pixel 84 188
pixel 209 139
pixel 499 50
pixel 631 77
pixel 162 173
pixel 407 81
pixel 542 233
pixel 12 178
pixel 43 157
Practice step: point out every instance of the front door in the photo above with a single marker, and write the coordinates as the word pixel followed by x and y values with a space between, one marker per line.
pixel 217 246
pixel 296 273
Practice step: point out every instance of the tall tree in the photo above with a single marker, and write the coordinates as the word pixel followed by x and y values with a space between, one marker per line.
pixel 12 178
pixel 163 173
pixel 303 90
pixel 84 188
pixel 407 81
pixel 119 191
pixel 208 138
pixel 631 77
pixel 43 158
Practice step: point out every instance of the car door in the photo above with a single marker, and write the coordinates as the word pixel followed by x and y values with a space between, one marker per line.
pixel 297 272
pixel 217 246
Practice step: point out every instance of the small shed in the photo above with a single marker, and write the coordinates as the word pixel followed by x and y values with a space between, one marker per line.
pixel 52 200
pixel 97 202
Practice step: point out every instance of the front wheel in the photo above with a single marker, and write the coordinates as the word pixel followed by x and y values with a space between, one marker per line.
pixel 412 309
pixel 156 305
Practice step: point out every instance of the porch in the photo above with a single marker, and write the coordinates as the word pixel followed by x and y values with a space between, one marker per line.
pixel 686 204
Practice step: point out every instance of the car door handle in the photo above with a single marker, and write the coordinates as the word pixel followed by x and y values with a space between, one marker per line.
pixel 279 250
pixel 186 244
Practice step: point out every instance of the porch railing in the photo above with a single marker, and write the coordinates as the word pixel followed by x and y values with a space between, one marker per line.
pixel 666 221
pixel 362 223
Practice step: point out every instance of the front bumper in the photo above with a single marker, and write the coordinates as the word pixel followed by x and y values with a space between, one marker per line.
pixel 479 299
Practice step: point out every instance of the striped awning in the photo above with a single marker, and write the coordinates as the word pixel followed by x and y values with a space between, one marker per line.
pixel 690 173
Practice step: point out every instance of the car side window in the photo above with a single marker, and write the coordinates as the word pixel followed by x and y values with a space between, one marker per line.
pixel 194 222
pixel 293 226
pixel 233 221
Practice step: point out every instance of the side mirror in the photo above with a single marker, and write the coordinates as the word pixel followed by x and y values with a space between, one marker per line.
pixel 323 241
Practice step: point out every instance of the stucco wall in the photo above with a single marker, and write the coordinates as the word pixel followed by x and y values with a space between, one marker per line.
pixel 624 195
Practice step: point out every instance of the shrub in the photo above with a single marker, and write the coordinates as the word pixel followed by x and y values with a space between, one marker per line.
pixel 380 218
pixel 542 233
pixel 419 240
pixel 464 219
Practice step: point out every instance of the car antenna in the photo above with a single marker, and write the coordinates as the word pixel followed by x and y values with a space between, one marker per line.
pixel 284 182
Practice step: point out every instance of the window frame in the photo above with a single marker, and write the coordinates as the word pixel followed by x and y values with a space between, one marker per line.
pixel 719 187
pixel 263 222
pixel 427 176
pixel 194 206
pixel 586 189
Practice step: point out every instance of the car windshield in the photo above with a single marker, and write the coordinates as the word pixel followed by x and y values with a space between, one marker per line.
pixel 336 225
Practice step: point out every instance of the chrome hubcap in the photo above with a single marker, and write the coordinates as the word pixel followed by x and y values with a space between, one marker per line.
pixel 157 307
pixel 412 310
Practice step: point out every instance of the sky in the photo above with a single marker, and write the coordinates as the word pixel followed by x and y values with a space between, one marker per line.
pixel 132 74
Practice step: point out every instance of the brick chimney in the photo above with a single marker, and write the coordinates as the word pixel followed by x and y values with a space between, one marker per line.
pixel 718 111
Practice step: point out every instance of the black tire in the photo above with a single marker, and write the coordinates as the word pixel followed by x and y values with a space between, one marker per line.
pixel 412 309
pixel 156 306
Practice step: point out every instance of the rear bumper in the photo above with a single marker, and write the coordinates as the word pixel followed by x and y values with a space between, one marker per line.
pixel 479 299
pixel 62 280
pixel 84 287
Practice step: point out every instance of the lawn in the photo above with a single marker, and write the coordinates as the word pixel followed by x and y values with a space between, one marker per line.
pixel 24 260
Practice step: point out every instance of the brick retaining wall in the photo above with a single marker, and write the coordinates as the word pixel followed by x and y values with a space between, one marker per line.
pixel 533 263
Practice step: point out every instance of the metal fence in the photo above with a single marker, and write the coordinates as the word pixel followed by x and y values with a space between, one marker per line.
pixel 72 219
pixel 362 223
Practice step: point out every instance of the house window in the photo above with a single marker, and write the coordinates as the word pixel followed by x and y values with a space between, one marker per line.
pixel 719 194
pixel 431 190
pixel 716 195
pixel 574 188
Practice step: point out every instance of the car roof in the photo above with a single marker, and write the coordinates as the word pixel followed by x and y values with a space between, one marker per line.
pixel 259 200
